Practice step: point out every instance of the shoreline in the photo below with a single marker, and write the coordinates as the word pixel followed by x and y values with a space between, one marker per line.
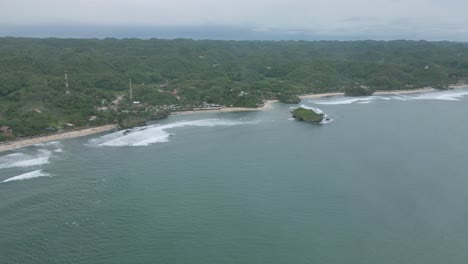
pixel 266 106
pixel 383 92
pixel 10 145
pixel 378 92
pixel 20 143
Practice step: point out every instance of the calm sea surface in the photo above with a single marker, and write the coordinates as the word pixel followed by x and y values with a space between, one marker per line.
pixel 385 182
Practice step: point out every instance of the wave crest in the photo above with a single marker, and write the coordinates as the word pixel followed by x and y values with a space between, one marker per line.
pixel 144 136
pixel 25 160
pixel 28 175
pixel 451 95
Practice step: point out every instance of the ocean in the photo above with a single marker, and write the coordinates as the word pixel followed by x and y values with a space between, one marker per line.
pixel 386 181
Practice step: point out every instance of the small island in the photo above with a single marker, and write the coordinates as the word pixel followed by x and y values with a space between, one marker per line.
pixel 307 115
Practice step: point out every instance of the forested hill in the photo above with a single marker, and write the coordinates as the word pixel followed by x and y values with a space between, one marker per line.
pixel 187 72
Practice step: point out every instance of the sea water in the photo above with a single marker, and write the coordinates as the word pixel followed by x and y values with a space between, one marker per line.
pixel 385 182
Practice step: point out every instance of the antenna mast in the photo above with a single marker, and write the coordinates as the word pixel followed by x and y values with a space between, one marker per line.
pixel 67 86
pixel 130 89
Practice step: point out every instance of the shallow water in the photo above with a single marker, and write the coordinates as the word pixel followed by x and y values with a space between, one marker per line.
pixel 385 182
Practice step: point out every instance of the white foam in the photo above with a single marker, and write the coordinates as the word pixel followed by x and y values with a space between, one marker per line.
pixel 438 95
pixel 399 97
pixel 26 163
pixel 327 121
pixel 154 134
pixel 25 160
pixel 51 143
pixel 345 100
pixel 56 145
pixel 315 109
pixel 450 95
pixel 28 175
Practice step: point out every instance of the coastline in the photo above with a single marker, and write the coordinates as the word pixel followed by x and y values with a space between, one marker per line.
pixel 267 105
pixel 378 92
pixel 10 145
pixel 383 92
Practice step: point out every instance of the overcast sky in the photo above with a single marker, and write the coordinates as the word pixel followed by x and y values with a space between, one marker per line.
pixel 377 19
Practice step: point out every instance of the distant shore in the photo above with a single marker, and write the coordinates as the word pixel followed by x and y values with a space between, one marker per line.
pixel 53 137
pixel 267 105
pixel 383 92
pixel 379 92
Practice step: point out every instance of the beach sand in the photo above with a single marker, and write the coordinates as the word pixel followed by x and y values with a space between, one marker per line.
pixel 267 105
pixel 306 96
pixel 53 137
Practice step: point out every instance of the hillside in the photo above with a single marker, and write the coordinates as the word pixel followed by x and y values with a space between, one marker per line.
pixel 181 73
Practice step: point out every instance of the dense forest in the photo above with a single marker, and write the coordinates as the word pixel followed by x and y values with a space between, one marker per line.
pixel 184 72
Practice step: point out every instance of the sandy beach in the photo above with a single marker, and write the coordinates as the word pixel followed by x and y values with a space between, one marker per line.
pixel 53 137
pixel 267 105
pixel 320 95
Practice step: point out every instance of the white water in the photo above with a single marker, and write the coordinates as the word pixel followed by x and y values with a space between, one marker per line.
pixel 315 109
pixel 345 100
pixel 28 175
pixel 327 121
pixel 56 145
pixel 25 160
pixel 144 136
pixel 451 95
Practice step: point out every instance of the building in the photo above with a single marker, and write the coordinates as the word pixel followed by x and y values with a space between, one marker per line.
pixel 5 130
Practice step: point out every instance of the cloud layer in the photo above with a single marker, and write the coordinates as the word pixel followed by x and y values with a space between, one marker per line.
pixel 381 19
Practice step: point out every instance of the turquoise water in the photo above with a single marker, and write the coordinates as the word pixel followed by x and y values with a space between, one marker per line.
pixel 385 182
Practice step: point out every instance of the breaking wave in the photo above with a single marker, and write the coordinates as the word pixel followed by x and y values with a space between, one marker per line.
pixel 315 109
pixel 451 95
pixel 28 175
pixel 144 136
pixel 25 160
pixel 345 100
pixel 37 156
pixel 55 146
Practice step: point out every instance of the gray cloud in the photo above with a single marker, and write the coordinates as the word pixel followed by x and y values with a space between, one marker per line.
pixel 382 19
